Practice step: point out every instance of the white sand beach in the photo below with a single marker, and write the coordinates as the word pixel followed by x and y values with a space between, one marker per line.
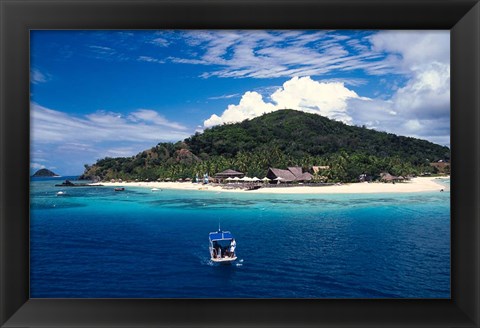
pixel 420 184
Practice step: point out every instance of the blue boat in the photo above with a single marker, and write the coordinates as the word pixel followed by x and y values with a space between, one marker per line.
pixel 222 246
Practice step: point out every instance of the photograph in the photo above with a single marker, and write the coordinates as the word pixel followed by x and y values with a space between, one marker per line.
pixel 240 164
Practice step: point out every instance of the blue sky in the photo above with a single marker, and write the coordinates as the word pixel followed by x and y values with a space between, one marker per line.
pixel 115 93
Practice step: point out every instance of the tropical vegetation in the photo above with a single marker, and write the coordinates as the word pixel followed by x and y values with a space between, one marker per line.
pixel 279 139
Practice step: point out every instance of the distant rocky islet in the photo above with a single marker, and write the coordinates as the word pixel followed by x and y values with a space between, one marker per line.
pixel 44 173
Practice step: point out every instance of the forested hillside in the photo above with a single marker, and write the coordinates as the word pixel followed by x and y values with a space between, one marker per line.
pixel 278 139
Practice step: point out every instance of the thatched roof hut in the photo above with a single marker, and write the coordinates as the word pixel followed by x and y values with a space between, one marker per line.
pixel 229 174
pixel 306 176
pixel 292 174
pixel 296 170
pixel 285 175
pixel 387 177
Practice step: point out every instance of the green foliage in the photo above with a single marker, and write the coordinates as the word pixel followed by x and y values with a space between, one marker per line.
pixel 300 134
pixel 280 139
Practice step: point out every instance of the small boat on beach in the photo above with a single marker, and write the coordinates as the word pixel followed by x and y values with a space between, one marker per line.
pixel 222 246
pixel 119 189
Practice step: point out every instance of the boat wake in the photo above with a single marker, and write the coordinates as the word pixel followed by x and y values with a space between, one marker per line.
pixel 239 263
pixel 208 262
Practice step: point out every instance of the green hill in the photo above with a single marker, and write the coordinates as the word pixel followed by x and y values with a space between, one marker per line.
pixel 297 133
pixel 279 139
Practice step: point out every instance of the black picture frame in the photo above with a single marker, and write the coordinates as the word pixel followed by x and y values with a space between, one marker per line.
pixel 17 17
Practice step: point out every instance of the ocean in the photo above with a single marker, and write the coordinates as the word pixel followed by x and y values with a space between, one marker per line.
pixel 94 242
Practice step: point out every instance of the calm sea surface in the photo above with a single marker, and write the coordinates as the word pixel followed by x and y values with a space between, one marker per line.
pixel 98 243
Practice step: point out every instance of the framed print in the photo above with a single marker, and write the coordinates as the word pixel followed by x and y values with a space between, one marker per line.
pixel 347 188
pixel 239 164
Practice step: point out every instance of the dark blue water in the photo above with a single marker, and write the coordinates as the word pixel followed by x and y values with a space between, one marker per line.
pixel 97 243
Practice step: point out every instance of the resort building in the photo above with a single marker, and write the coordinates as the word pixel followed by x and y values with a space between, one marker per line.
pixel 292 174
pixel 387 177
pixel 220 177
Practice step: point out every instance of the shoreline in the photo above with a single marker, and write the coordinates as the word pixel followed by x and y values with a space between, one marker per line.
pixel 420 184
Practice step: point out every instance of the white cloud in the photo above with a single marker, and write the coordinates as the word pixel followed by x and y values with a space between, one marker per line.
pixel 424 58
pixel 107 51
pixel 161 42
pixel 234 95
pixel 149 116
pixel 421 107
pixel 149 59
pixel 270 54
pixel 75 147
pixel 37 77
pixel 354 82
pixel 414 48
pixel 251 105
pixel 120 152
pixel 327 99
pixel 273 54
pixel 37 166
pixel 51 126
pixel 426 94
pixel 70 141
pixel 199 129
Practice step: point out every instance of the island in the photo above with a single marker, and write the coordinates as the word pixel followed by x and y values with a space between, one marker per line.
pixel 284 148
pixel 42 173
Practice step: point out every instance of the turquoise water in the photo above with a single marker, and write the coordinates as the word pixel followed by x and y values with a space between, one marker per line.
pixel 97 243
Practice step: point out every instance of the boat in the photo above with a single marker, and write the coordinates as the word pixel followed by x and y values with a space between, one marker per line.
pixel 222 246
pixel 119 189
pixel 155 189
pixel 61 193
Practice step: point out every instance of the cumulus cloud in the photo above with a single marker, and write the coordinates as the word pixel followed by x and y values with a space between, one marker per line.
pixel 300 93
pixel 421 107
pixel 427 93
pixel 251 105
pixel 327 99
pixel 412 50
